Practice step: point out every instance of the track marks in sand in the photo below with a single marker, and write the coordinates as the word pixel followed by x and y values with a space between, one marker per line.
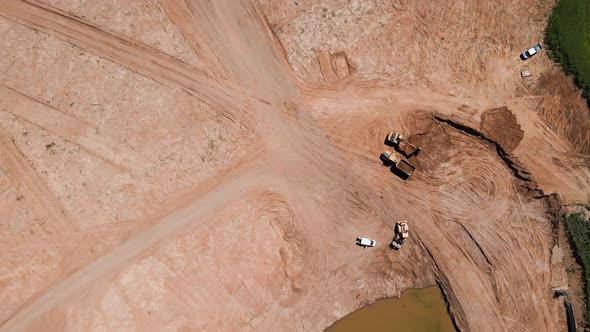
pixel 324 198
pixel 145 60
pixel 278 214
pixel 29 184
pixel 240 40
pixel 464 200
pixel 202 43
pixel 71 129
pixel 122 255
pixel 472 181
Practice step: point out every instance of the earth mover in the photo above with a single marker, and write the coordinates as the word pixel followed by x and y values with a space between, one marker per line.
pixel 400 141
pixel 403 166
pixel 402 232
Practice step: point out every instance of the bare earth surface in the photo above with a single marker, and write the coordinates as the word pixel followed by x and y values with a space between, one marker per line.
pixel 193 165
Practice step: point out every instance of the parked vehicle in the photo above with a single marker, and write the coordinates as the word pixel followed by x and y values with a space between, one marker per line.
pixel 531 51
pixel 364 242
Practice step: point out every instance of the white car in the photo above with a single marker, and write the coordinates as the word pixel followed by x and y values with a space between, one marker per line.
pixel 531 51
pixel 364 242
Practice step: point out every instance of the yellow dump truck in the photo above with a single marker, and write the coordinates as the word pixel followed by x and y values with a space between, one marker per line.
pixel 400 164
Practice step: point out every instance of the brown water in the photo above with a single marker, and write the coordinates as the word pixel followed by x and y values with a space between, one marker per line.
pixel 416 310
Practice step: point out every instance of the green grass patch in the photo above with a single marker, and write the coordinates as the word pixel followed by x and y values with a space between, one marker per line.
pixel 568 38
pixel 578 230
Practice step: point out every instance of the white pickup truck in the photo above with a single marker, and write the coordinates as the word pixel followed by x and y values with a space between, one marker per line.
pixel 364 242
pixel 531 51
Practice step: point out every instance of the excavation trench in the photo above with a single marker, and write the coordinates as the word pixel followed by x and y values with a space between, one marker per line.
pixel 552 204
pixel 515 167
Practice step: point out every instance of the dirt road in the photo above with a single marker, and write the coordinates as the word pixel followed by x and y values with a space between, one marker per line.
pixel 110 263
pixel 229 195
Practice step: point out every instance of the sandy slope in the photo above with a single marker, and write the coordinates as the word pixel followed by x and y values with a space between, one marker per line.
pixel 222 187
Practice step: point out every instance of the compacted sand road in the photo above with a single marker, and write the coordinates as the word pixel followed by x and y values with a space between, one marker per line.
pixel 198 210
pixel 257 232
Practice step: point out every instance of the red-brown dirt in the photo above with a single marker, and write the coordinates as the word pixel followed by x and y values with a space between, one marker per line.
pixel 192 165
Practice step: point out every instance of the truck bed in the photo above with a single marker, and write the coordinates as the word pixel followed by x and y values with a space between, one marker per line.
pixel 405 167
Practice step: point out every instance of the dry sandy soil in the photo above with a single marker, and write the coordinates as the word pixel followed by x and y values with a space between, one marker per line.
pixel 192 165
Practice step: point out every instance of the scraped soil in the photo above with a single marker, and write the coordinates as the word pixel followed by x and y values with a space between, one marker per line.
pixel 192 165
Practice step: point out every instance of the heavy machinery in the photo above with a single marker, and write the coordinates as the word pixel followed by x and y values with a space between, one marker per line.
pixel 402 144
pixel 403 166
pixel 402 232
pixel 364 242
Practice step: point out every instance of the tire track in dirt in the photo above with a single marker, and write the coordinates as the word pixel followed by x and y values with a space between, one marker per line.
pixel 241 40
pixel 295 245
pixel 462 206
pixel 302 161
pixel 469 182
pixel 140 58
pixel 30 185
pixel 502 192
pixel 71 129
pixel 514 167
pixel 203 44
pixel 165 228
pixel 66 237
pixel 145 239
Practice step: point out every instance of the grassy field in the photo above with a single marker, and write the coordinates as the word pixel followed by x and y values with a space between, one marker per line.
pixel 579 231
pixel 568 37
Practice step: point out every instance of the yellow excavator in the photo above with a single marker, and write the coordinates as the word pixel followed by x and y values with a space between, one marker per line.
pixel 402 232
pixel 402 144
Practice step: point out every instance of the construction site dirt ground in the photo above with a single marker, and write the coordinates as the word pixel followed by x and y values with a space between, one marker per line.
pixel 192 165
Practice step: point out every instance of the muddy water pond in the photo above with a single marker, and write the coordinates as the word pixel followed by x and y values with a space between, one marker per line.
pixel 416 310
